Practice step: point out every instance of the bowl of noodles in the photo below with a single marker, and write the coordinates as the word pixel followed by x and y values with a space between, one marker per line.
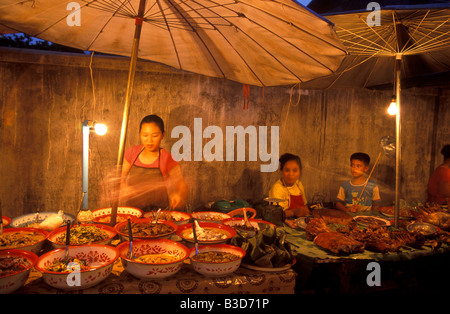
pixel 207 233
pixel 85 267
pixel 216 259
pixel 146 228
pixel 153 258
pixel 27 239
pixel 103 215
pixel 83 234
pixel 15 266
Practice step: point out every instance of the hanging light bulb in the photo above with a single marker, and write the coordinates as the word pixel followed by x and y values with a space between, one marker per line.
pixel 392 110
pixel 100 128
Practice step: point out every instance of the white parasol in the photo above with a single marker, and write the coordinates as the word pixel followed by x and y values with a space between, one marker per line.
pixel 256 42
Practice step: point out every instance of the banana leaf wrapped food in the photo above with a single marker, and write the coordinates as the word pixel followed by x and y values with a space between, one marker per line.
pixel 266 249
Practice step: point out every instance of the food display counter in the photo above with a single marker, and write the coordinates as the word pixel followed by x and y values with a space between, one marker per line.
pixel 319 269
pixel 186 281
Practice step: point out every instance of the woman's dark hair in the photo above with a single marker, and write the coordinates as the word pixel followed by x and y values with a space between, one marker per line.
pixel 361 157
pixel 446 151
pixel 288 157
pixel 153 118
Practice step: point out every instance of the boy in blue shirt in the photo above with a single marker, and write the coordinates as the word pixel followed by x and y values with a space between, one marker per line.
pixel 349 196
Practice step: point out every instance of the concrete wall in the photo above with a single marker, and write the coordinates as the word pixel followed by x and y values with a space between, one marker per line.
pixel 46 96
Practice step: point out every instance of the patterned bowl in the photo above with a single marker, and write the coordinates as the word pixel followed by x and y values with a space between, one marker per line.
pixel 99 258
pixel 214 268
pixel 159 270
pixel 110 231
pixel 213 233
pixel 33 246
pixel 103 215
pixel 29 220
pixel 124 232
pixel 178 217
pixel 255 224
pixel 5 221
pixel 15 280
pixel 210 216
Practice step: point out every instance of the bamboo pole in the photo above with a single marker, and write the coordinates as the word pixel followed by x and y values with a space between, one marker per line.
pixel 398 66
pixel 126 110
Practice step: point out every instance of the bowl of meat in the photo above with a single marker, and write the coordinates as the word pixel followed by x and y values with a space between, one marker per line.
pixel 84 267
pixel 27 239
pixel 216 259
pixel 153 258
pixel 82 234
pixel 15 266
pixel 206 232
pixel 146 228
pixel 103 215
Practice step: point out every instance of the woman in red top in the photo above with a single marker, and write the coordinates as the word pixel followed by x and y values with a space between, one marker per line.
pixel 151 179
pixel 439 183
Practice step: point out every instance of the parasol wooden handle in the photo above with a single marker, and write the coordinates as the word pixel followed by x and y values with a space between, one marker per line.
pixel 367 180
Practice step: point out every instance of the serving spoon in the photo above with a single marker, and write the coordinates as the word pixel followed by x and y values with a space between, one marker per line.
pixel 194 225
pixel 130 235
pixel 66 255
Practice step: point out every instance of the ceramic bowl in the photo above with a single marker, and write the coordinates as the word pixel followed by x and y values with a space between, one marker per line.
pixel 34 246
pixel 178 217
pixel 217 268
pixel 29 220
pixel 423 228
pixel 153 246
pixel 100 259
pixel 103 215
pixel 53 236
pixel 255 225
pixel 124 233
pixel 213 233
pixel 5 221
pixel 210 216
pixel 15 280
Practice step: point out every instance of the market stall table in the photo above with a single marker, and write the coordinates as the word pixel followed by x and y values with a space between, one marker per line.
pixel 186 281
pixel 316 267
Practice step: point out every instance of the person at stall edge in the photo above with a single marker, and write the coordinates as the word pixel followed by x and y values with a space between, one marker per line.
pixel 290 188
pixel 349 196
pixel 151 178
pixel 439 182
